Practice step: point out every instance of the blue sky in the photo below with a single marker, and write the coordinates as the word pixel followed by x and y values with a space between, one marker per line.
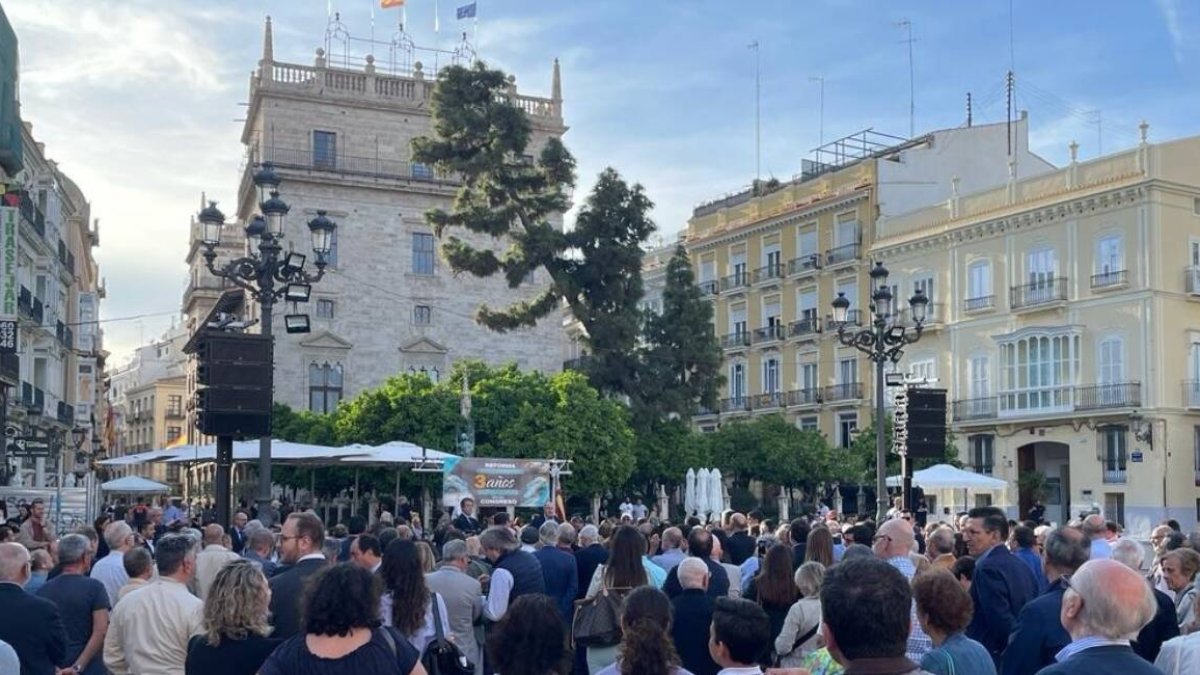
pixel 137 99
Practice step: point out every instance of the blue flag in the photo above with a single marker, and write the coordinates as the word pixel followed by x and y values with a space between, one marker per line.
pixel 467 11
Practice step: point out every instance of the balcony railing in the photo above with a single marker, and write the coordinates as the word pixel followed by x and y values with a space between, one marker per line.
pixel 804 264
pixel 841 254
pixel 24 301
pixel 772 333
pixel 811 396
pixel 979 304
pixel 935 315
pixel 768 273
pixel 309 159
pixel 1191 393
pixel 38 312
pixel 32 398
pixel 774 399
pixel 577 363
pixel 843 392
pixel 735 404
pixel 1111 279
pixel 1050 400
pixel 854 317
pixel 32 214
pixel 709 287
pixel 1115 476
pixel 735 340
pixel 809 326
pixel 1191 280
pixel 66 413
pixel 735 281
pixel 175 413
pixel 983 469
pixel 1038 293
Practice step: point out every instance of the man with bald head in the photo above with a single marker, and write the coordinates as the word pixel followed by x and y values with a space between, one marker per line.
pixel 1097 530
pixel 1037 635
pixel 893 543
pixel 1105 604
pixel 672 547
pixel 31 625
pixel 693 610
pixel 740 545
pixel 210 560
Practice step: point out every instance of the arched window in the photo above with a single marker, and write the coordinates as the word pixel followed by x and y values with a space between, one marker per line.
pixel 324 387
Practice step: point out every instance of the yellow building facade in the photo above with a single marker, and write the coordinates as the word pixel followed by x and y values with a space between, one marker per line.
pixel 1069 335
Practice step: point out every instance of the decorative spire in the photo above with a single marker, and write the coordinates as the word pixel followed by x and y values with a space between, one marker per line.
pixel 1074 148
pixel 268 44
pixel 1144 130
pixel 464 403
pixel 556 84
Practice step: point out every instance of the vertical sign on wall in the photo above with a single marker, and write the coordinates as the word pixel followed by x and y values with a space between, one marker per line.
pixel 8 280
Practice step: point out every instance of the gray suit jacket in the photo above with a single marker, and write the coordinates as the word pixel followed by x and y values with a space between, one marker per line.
pixel 464 603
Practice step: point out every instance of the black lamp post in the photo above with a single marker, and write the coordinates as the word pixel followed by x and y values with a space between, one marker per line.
pixel 883 341
pixel 268 275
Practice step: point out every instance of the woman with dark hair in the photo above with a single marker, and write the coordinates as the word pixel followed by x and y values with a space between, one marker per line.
pixel 646 646
pixel 407 603
pixel 622 573
pixel 820 546
pixel 774 587
pixel 342 635
pixel 531 639
pixel 944 609
pixel 99 524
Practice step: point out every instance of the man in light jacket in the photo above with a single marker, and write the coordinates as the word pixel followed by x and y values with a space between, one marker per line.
pixel 463 596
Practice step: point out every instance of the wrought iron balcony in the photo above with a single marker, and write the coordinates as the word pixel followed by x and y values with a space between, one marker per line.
pixel 841 254
pixel 709 287
pixel 1191 280
pixel 1115 476
pixel 807 327
pixel 979 304
pixel 1113 279
pixel 735 404
pixel 774 399
pixel 854 317
pixel 735 281
pixel 24 301
pixel 32 214
pixel 771 333
pixel 935 315
pixel 1049 401
pixel 66 413
pixel 1038 293
pixel 811 396
pixel 38 312
pixel 307 159
pixel 1191 393
pixel 735 340
pixel 804 264
pixel 843 392
pixel 768 273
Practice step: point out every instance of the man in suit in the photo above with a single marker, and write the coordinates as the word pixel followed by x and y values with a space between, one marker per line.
pixel 463 598
pixel 693 611
pixel 1165 624
pixel 366 552
pixel 1038 635
pixel 29 624
pixel 591 554
pixel 237 533
pixel 467 522
pixel 549 514
pixel 300 544
pixel 559 570
pixel 740 545
pixel 700 545
pixel 672 546
pixel 798 530
pixel 1105 602
pixel 1001 584
pixel 258 551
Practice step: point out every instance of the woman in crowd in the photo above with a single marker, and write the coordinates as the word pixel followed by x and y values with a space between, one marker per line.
pixel 531 639
pixel 1181 655
pixel 646 647
pixel 1179 569
pixel 622 573
pixel 235 639
pixel 801 634
pixel 342 634
pixel 99 524
pixel 820 546
pixel 944 610
pixel 428 560
pixel 774 587
pixel 407 604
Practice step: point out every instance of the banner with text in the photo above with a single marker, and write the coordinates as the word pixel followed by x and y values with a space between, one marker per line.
pixel 495 482
pixel 8 279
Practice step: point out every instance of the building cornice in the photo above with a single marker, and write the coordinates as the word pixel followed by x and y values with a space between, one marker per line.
pixel 779 220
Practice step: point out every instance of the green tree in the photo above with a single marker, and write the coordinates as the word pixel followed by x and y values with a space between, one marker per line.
pixel 772 450
pixel 858 464
pixel 682 358
pixel 665 449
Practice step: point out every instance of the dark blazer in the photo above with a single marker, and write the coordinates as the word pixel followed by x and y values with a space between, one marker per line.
pixel 587 559
pixel 718 581
pixel 693 611
pixel 34 629
pixel 237 540
pixel 1114 660
pixel 1038 635
pixel 739 547
pixel 562 578
pixel 1163 627
pixel 288 590
pixel 1001 586
pixel 468 525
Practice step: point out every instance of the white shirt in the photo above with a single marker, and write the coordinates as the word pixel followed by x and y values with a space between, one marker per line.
pixel 110 571
pixel 208 563
pixel 500 587
pixel 149 630
pixel 1180 655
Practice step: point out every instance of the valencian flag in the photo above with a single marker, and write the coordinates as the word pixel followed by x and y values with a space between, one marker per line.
pixel 466 11
pixel 387 4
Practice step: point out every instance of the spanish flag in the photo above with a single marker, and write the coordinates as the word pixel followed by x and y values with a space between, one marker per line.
pixel 388 4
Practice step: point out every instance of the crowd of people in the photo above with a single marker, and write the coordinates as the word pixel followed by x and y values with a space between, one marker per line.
pixel 624 596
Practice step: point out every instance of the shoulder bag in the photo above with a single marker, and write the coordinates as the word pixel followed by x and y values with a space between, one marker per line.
pixel 442 657
pixel 598 618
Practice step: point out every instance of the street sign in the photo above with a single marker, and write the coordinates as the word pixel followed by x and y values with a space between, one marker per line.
pixel 8 337
pixel 29 446
pixel 1136 456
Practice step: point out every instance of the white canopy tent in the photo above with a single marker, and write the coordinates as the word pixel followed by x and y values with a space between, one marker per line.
pixel 395 452
pixel 952 481
pixel 134 485
pixel 148 456
pixel 281 451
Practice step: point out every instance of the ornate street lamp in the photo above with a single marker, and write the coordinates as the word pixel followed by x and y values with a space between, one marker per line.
pixel 883 341
pixel 269 275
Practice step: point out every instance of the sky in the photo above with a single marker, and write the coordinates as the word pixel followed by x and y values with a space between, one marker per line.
pixel 140 101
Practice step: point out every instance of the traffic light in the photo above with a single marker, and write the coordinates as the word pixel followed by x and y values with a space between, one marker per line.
pixel 234 376
pixel 926 422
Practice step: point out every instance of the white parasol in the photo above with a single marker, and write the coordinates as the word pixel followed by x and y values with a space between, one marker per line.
pixel 703 504
pixel 689 492
pixel 717 490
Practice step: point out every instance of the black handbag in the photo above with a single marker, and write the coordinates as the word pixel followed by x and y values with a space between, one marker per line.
pixel 442 657
pixel 598 619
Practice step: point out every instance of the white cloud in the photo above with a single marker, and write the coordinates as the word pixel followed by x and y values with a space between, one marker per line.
pixel 1170 13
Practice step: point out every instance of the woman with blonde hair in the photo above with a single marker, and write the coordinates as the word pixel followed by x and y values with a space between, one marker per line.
pixel 234 641
pixel 801 634
pixel 428 560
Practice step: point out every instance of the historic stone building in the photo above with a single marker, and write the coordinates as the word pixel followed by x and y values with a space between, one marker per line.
pixel 338 131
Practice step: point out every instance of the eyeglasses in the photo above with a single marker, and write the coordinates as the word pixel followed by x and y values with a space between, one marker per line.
pixel 881 536
pixel 285 537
